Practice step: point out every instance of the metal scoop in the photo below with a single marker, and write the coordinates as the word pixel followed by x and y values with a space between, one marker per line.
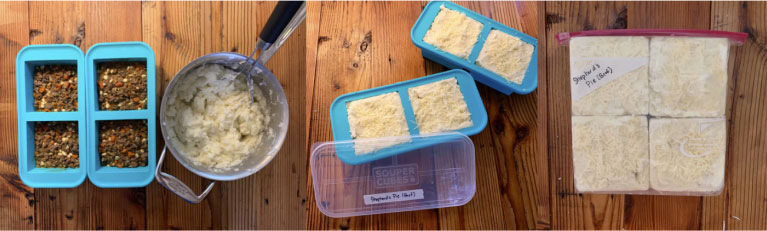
pixel 285 18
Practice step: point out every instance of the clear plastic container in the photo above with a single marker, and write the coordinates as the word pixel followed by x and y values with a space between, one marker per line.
pixel 436 176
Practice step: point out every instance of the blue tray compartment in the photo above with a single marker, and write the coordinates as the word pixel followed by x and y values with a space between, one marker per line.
pixel 482 75
pixel 27 59
pixel 113 177
pixel 340 122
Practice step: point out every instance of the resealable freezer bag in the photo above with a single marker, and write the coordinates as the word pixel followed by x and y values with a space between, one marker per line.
pixel 440 174
pixel 648 110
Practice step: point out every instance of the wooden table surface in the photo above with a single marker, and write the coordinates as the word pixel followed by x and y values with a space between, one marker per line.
pixel 743 203
pixel 359 45
pixel 178 32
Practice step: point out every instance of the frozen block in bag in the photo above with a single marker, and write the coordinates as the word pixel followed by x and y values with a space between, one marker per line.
pixel 453 32
pixel 687 155
pixel 439 107
pixel 610 153
pixel 625 95
pixel 377 116
pixel 688 76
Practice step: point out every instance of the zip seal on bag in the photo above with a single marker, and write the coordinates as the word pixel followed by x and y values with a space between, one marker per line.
pixel 735 38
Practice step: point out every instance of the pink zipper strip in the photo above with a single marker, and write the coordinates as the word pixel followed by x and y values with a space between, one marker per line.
pixel 736 38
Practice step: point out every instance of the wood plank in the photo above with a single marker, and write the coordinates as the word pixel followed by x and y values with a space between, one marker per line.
pixel 18 206
pixel 180 32
pixel 746 194
pixel 60 208
pixel 543 181
pixel 277 191
pixel 666 212
pixel 571 210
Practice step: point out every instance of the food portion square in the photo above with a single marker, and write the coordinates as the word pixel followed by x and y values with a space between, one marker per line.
pixel 57 145
pixel 688 76
pixel 377 116
pixel 55 88
pixel 122 86
pixel 453 32
pixel 626 95
pixel 610 153
pixel 687 155
pixel 505 55
pixel 439 107
pixel 123 143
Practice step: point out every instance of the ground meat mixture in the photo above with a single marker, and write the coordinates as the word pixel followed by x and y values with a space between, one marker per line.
pixel 122 86
pixel 123 143
pixel 56 145
pixel 55 88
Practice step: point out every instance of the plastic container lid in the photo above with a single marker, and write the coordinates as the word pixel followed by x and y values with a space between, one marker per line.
pixel 436 176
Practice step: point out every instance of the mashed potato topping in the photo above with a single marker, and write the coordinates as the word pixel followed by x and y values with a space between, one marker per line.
pixel 211 120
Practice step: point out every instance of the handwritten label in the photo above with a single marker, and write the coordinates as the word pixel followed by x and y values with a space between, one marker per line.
pixel 396 176
pixel 381 198
pixel 588 74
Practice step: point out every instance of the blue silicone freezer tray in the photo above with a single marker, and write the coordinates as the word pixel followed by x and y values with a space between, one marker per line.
pixel 27 59
pixel 340 123
pixel 113 177
pixel 484 76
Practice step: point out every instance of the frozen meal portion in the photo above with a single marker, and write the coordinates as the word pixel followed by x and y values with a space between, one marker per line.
pixel 687 155
pixel 625 95
pixel 610 153
pixel 453 32
pixel 55 88
pixel 123 143
pixel 439 107
pixel 122 86
pixel 212 120
pixel 688 76
pixel 505 55
pixel 57 145
pixel 374 117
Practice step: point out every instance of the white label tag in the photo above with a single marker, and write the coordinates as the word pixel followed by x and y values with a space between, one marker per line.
pixel 393 197
pixel 595 72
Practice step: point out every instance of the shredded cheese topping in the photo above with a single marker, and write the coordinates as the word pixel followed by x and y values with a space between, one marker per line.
pixel 439 107
pixel 506 55
pixel 627 95
pixel 687 154
pixel 374 117
pixel 688 76
pixel 453 32
pixel 610 153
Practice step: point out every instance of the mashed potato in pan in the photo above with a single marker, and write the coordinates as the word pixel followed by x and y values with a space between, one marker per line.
pixel 211 120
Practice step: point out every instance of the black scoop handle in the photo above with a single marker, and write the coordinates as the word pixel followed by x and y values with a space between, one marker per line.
pixel 280 18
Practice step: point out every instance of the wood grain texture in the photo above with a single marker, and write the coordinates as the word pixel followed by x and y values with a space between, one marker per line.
pixel 360 46
pixel 571 210
pixel 17 202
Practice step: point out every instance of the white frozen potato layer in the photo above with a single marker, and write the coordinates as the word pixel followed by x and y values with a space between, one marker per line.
pixel 211 120
pixel 374 117
pixel 688 76
pixel 440 106
pixel 610 153
pixel 453 32
pixel 687 155
pixel 626 95
pixel 505 55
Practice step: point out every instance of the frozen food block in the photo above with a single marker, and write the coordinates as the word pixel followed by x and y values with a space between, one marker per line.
pixel 626 95
pixel 439 107
pixel 377 116
pixel 610 153
pixel 453 32
pixel 687 155
pixel 505 55
pixel 688 76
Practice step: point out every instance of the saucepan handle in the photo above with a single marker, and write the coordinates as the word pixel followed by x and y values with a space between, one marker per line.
pixel 176 186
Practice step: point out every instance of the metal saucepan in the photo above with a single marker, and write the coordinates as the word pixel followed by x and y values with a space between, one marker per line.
pixel 277 107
